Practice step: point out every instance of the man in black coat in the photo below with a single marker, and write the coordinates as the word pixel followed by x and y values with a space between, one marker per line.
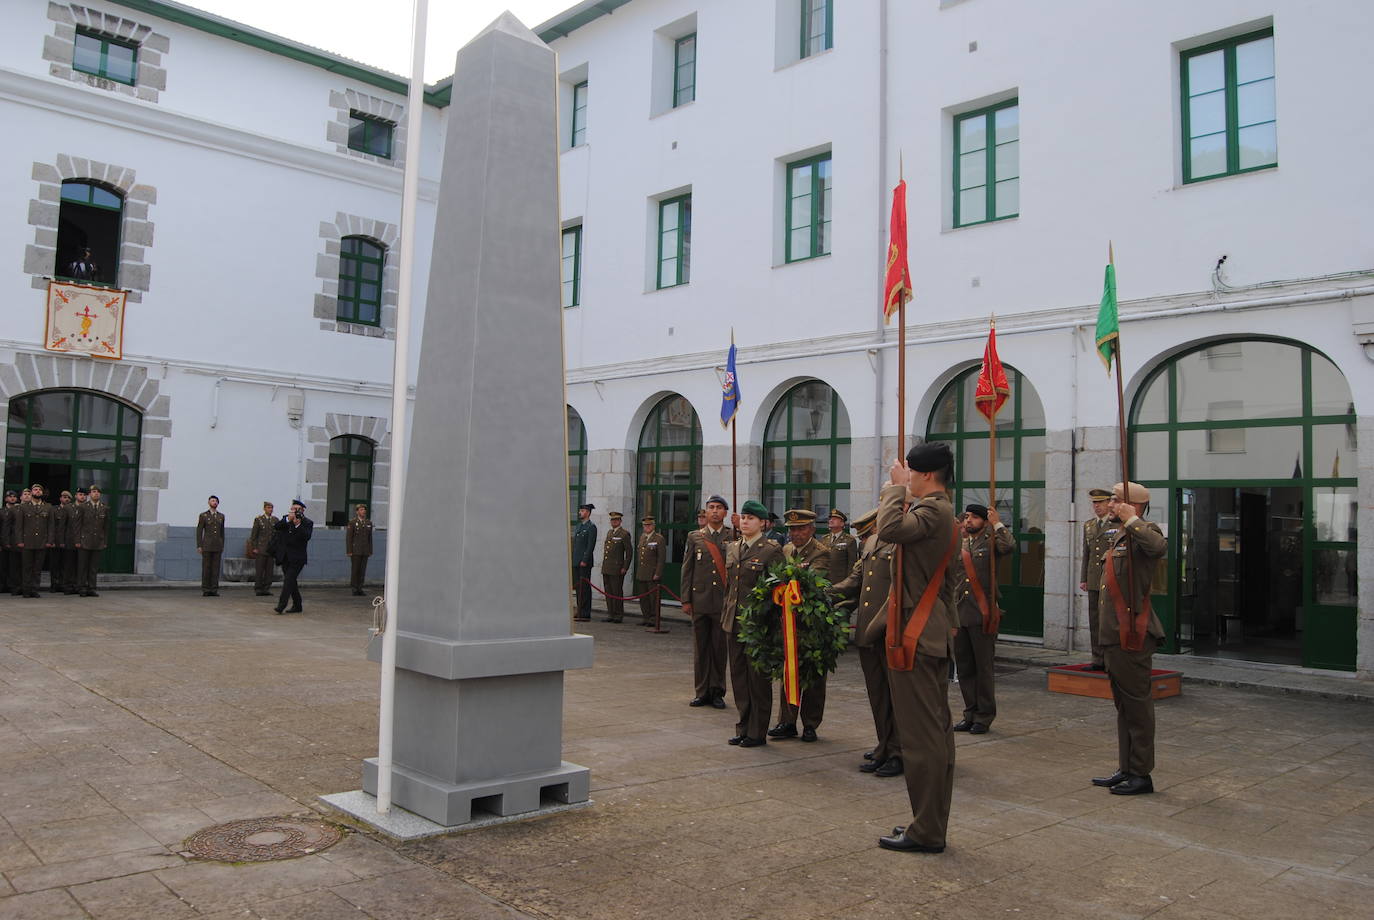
pixel 293 533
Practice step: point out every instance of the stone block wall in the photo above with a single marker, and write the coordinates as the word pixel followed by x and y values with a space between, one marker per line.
pixel 59 47
pixel 326 305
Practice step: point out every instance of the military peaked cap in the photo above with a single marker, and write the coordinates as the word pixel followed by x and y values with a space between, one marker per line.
pixel 799 517
pixel 836 512
pixel 867 519
pixel 1099 495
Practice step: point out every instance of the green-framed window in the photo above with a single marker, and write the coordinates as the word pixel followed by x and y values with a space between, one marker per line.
pixel 69 438
pixel 369 134
pixel 817 26
pixel 674 241
pixel 90 216
pixel 572 266
pixel 360 281
pixel 1249 448
pixel 806 451
pixel 685 70
pixel 350 477
pixel 579 115
pixel 808 208
pixel 577 463
pixel 987 164
pixel 1229 120
pixel 668 476
pixel 1020 484
pixel 103 56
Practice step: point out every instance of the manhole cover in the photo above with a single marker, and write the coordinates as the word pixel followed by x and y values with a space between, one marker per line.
pixel 262 839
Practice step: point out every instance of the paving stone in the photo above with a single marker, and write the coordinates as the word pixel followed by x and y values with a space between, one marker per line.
pixel 135 897
pixel 96 868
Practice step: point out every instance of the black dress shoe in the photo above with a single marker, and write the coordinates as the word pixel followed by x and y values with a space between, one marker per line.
pixel 963 725
pixel 1134 785
pixel 978 728
pixel 280 610
pixel 891 767
pixel 906 844
pixel 205 594
pixel 91 594
pixel 699 701
pixel 808 734
pixel 214 594
pixel 1120 776
pixel 869 766
pixel 717 702
pixel 738 739
pixel 357 594
pixel 783 730
pixel 868 756
pixel 294 610
pixel 753 742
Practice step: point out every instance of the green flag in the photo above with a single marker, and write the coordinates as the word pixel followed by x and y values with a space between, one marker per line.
pixel 1107 331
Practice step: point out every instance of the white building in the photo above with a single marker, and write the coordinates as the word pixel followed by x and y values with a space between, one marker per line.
pixel 729 166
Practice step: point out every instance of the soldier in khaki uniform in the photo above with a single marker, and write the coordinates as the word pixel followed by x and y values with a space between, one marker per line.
pixel 746 561
pixel 11 579
pixel 869 584
pixel 35 537
pixel 649 569
pixel 62 559
pixel 1095 542
pixel 358 548
pixel 615 562
pixel 974 646
pixel 844 548
pixel 703 598
pixel 93 526
pixel 920 696
pixel 802 544
pixel 210 545
pixel 1136 545
pixel 259 538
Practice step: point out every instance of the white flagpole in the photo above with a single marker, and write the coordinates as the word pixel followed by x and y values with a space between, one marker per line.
pixel 400 379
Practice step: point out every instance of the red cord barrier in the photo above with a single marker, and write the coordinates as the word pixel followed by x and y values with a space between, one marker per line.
pixel 633 597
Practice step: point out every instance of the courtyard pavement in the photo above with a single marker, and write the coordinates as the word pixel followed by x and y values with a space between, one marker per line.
pixel 130 721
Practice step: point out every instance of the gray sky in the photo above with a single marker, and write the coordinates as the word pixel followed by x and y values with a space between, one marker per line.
pixel 378 33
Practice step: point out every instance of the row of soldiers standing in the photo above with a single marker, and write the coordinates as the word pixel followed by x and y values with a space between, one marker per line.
pixel 68 537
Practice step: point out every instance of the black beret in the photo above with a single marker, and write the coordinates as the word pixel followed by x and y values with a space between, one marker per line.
pixel 980 510
pixel 589 506
pixel 929 457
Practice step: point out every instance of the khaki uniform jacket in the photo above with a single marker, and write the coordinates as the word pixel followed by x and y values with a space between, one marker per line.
pixel 814 555
pixel 966 603
pixel 36 526
pixel 701 584
pixel 358 537
pixel 92 521
pixel 844 552
pixel 62 520
pixel 8 518
pixel 261 534
pixel 925 533
pixel 1149 544
pixel 744 566
pixel 210 531
pixel 616 551
pixel 649 556
pixel 1095 543
pixel 869 584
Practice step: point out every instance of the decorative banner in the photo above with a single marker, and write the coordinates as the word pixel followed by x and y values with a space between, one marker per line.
pixel 85 320
pixel 785 596
pixel 992 390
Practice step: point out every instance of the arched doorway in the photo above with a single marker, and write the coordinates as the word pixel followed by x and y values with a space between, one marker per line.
pixel 806 452
pixel 1249 447
pixel 577 462
pixel 668 476
pixel 350 477
pixel 1020 484
pixel 70 438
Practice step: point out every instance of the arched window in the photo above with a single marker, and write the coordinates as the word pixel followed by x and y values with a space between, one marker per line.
pixel 350 477
pixel 577 462
pixel 806 451
pixel 1020 484
pixel 668 476
pixel 1249 449
pixel 88 228
pixel 360 281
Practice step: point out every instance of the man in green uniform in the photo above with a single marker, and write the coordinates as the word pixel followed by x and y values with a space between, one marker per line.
pixel 10 578
pixel 844 549
pixel 259 538
pixel 868 586
pixel 1094 547
pixel 210 545
pixel 35 537
pixel 615 562
pixel 94 534
pixel 649 569
pixel 1130 633
pixel 583 546
pixel 358 548
pixel 975 641
pixel 802 544
pixel 926 534
pixel 703 597
pixel 746 561
pixel 62 559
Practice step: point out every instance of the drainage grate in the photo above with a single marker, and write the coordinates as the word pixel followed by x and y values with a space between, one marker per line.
pixel 262 839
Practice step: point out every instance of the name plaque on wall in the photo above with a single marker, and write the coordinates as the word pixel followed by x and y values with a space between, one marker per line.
pixel 83 319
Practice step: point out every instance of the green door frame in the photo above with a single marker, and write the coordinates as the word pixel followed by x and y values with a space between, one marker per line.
pixel 674 504
pixel 790 438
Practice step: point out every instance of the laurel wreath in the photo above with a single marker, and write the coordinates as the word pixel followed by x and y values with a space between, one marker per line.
pixel 821 629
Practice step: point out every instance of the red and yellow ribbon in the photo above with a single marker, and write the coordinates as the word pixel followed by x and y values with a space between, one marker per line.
pixel 785 596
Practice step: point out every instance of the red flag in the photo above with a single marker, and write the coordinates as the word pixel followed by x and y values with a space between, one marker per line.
pixel 993 389
pixel 897 285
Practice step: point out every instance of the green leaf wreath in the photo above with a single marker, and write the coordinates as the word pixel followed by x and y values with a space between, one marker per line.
pixel 821 629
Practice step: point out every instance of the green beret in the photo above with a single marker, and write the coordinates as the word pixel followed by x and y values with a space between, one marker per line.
pixel 755 508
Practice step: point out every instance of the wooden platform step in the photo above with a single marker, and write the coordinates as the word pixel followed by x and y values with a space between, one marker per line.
pixel 1079 681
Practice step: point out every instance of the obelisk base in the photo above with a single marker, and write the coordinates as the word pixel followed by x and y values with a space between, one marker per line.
pixel 452 805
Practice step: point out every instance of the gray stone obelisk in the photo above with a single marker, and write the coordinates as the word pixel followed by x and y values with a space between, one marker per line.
pixel 483 596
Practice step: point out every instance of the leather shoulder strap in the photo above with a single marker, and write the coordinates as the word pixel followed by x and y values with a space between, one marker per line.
pixel 901 654
pixel 716 557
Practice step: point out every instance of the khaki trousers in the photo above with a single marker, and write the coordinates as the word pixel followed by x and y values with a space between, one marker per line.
pixel 753 693
pixel 33 568
pixel 209 570
pixel 708 654
pixel 614 584
pixel 1093 620
pixel 812 708
pixel 648 603
pixel 263 570
pixel 974 651
pixel 873 660
pixel 87 562
pixel 1129 673
pixel 920 702
pixel 357 571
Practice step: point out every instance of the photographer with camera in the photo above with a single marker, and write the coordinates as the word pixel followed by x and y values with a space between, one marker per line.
pixel 293 532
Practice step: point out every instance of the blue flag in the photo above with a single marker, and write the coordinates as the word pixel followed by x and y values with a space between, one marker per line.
pixel 729 398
